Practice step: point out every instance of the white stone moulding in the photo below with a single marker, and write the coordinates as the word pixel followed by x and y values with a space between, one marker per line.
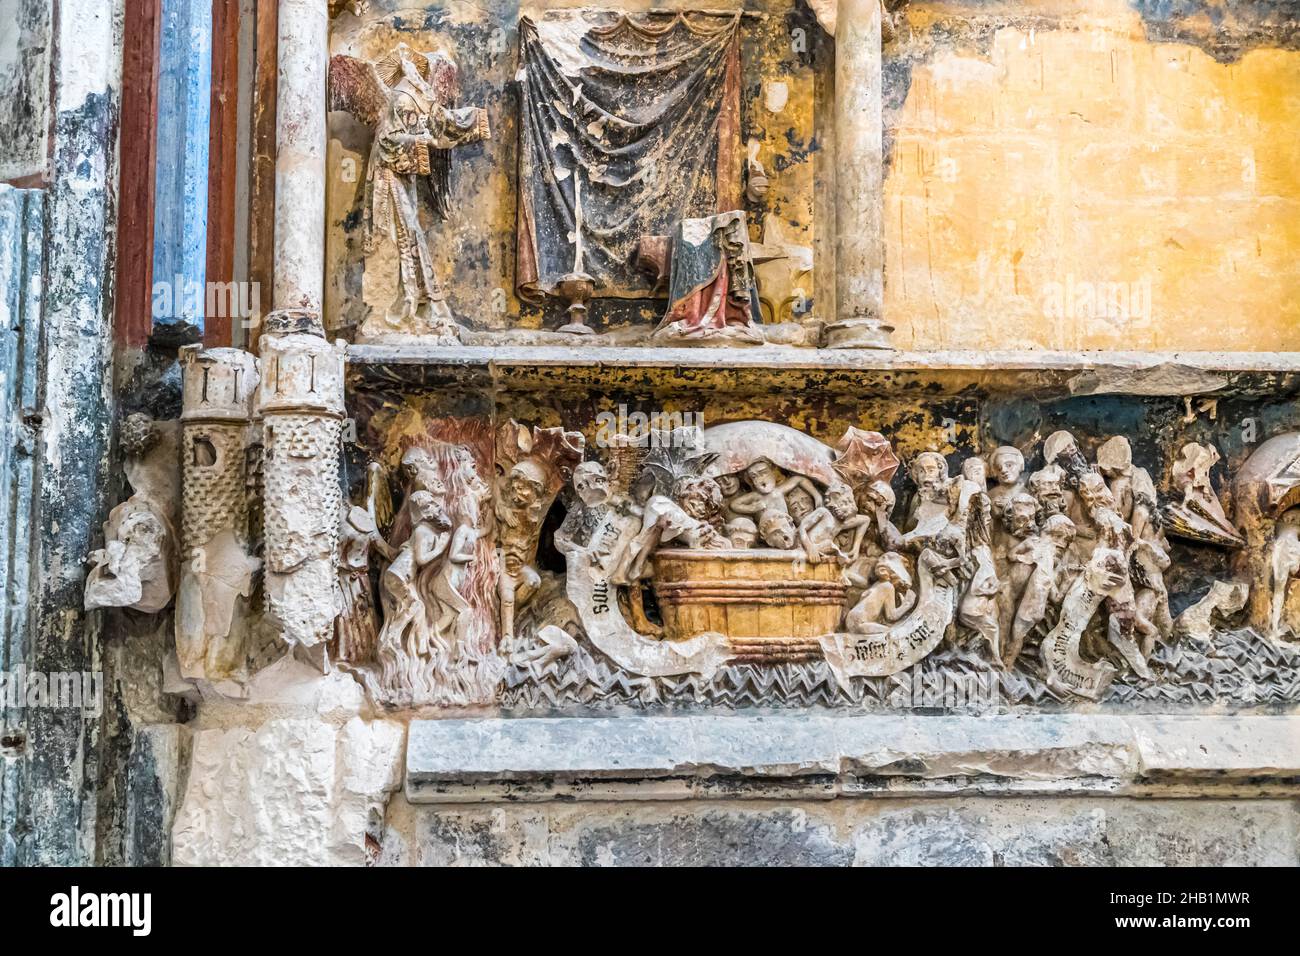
pixel 1038 373
pixel 806 756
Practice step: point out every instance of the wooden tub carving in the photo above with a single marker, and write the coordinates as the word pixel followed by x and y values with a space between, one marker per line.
pixel 770 605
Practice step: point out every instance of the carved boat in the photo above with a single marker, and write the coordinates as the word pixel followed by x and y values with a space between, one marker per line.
pixel 769 606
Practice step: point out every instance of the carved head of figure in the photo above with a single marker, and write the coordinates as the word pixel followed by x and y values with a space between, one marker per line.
pixel 408 112
pixel 930 472
pixel 800 503
pixel 891 567
pixel 1021 516
pixel 763 476
pixel 701 498
pixel 1007 464
pixel 757 184
pixel 742 532
pixel 525 484
pixel 729 485
pixel 137 434
pixel 840 502
pixel 1115 457
pixel 1061 449
pixel 974 471
pixel 426 507
pixel 1059 530
pixel 1047 485
pixel 1095 494
pixel 421 472
pixel 777 529
pixel 878 494
pixel 591 483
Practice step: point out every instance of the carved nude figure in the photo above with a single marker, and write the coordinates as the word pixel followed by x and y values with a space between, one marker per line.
pixel 769 490
pixel 819 529
pixel 404 642
pixel 929 512
pixel 1114 536
pixel 1006 465
pixel 518 514
pixel 972 519
pixel 1284 565
pixel 884 600
pixel 1047 485
pixel 449 610
pixel 1043 555
pixel 1019 521
pixel 356 628
pixel 692 523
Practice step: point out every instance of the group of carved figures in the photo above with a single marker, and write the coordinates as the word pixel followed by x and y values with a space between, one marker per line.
pixel 623 234
pixel 1012 559
pixel 723 525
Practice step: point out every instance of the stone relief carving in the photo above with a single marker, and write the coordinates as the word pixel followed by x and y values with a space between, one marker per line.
pixel 300 401
pixel 1266 501
pixel 436 643
pixel 763 548
pixel 217 544
pixel 408 100
pixel 1198 514
pixel 137 567
pixel 356 630
pixel 533 465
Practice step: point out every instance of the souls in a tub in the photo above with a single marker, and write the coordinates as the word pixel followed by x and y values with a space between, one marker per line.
pixel 765 508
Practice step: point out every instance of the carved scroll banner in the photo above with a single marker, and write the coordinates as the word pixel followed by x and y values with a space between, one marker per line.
pixel 627 127
pixel 898 647
pixel 1067 671
pixel 595 597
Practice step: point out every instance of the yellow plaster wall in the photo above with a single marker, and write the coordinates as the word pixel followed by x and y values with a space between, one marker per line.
pixel 1070 155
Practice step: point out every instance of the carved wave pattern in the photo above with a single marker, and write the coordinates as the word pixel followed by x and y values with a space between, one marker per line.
pixel 1237 668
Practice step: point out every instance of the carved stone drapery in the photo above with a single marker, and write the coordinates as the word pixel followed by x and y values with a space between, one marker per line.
pixel 610 153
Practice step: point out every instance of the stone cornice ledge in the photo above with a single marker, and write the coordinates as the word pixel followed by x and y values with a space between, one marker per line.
pixel 812 756
pixel 1043 373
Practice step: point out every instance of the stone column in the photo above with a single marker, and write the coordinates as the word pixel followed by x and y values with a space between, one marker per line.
pixel 300 161
pixel 859 204
pixel 301 404
pixel 216 561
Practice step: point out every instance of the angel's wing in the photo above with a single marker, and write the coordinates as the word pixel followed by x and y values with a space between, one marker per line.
pixel 355 87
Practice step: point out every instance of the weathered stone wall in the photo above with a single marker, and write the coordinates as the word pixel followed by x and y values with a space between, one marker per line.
pixel 1045 154
pixel 64 420
pixel 933 831
pixel 1079 174
pixel 25 55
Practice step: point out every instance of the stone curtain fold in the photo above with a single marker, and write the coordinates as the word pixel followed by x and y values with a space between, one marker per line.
pixel 626 128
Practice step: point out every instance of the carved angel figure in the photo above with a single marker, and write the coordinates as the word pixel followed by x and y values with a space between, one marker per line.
pixel 408 101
